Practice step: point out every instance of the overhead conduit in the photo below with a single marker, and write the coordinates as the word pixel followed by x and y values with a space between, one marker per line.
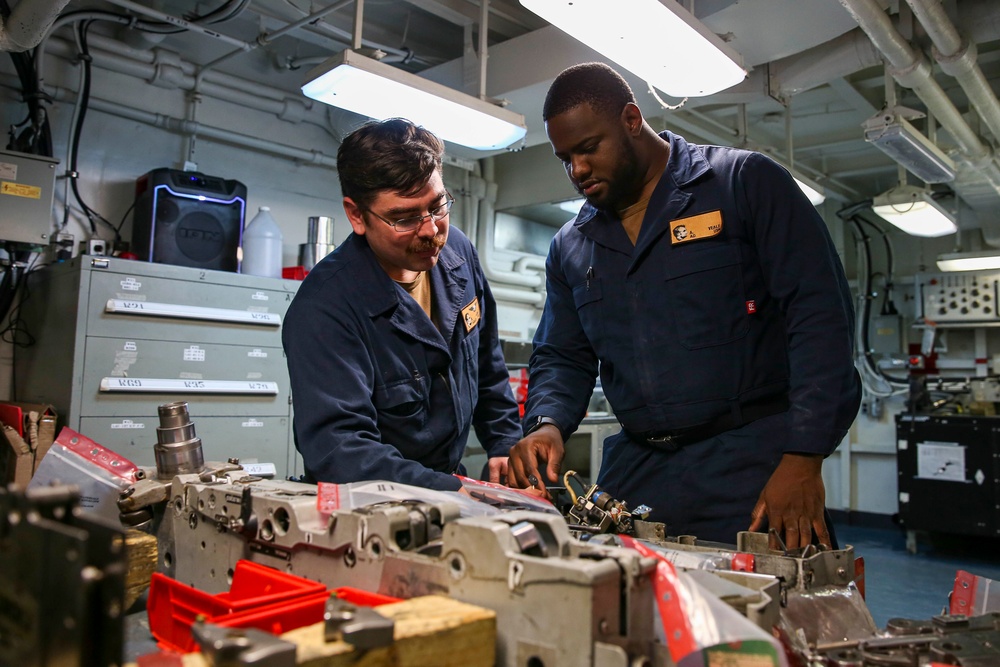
pixel 28 23
pixel 910 70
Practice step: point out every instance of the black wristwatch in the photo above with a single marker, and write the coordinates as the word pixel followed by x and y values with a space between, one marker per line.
pixel 540 422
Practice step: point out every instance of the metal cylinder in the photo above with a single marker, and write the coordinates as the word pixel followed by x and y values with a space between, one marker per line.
pixel 319 243
pixel 177 449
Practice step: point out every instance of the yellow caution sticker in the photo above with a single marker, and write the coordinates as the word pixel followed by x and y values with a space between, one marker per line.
pixel 702 226
pixel 20 190
pixel 471 315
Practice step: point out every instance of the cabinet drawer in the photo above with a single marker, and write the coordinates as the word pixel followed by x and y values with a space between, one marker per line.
pixel 170 309
pixel 259 438
pixel 134 376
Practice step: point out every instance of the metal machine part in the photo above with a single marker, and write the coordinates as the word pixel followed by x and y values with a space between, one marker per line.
pixel 178 449
pixel 596 511
pixel 62 582
pixel 515 563
pixel 235 647
pixel 945 640
pixel 362 627
pixel 319 242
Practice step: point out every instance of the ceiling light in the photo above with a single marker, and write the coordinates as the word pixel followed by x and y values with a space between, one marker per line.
pixel 661 43
pixel 914 211
pixel 969 261
pixel 813 191
pixel 572 205
pixel 897 138
pixel 365 86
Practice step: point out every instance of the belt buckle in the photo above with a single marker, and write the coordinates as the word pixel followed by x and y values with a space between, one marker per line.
pixel 666 442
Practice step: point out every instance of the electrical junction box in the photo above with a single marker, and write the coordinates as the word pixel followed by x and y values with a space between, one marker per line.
pixel 27 183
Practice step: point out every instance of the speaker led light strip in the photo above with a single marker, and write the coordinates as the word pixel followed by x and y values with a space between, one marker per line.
pixel 152 309
pixel 170 386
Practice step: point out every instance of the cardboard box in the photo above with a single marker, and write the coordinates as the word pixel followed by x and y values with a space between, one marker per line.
pixel 28 431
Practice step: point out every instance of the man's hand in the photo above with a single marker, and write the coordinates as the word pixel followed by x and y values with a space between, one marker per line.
pixel 792 503
pixel 544 445
pixel 498 469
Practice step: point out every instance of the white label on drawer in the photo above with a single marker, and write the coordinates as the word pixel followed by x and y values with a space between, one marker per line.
pixel 139 306
pixel 128 423
pixel 260 296
pixel 130 284
pixel 257 352
pixel 191 376
pixel 255 375
pixel 252 423
pixel 129 346
pixel 194 353
pixel 171 386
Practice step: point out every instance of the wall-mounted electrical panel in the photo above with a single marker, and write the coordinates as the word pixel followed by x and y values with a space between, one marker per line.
pixel 27 183
pixel 968 297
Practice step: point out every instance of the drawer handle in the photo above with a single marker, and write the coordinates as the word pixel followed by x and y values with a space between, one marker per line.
pixel 152 309
pixel 169 386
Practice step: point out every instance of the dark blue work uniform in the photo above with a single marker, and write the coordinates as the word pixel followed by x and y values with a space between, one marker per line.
pixel 379 392
pixel 715 329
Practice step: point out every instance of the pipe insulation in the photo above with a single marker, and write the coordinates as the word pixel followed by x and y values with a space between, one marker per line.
pixel 957 57
pixel 911 70
pixel 27 24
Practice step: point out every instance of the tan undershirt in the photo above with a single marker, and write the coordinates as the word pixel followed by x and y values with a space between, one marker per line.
pixel 420 290
pixel 632 218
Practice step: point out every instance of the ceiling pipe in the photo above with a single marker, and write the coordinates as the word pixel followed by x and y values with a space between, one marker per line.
pixel 186 127
pixel 957 57
pixel 911 70
pixel 27 24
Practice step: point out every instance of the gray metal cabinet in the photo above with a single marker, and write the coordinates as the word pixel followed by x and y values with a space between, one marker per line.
pixel 117 338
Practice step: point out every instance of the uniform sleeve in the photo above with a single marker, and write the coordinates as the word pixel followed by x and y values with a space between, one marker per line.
pixel 496 417
pixel 804 273
pixel 562 371
pixel 332 376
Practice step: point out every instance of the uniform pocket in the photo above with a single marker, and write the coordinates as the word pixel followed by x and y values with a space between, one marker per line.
pixel 401 403
pixel 589 307
pixel 706 296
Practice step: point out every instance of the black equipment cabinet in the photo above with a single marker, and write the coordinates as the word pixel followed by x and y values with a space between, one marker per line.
pixel 949 474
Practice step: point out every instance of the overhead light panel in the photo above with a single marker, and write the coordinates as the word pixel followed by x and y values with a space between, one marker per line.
pixel 572 205
pixel 969 261
pixel 897 138
pixel 660 42
pixel 368 87
pixel 914 211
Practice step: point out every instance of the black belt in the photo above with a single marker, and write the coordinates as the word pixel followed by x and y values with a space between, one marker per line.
pixel 671 441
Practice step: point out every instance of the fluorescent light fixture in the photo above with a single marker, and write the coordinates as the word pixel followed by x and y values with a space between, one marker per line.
pixel 572 205
pixel 897 138
pixel 914 211
pixel 813 192
pixel 969 261
pixel 660 42
pixel 365 86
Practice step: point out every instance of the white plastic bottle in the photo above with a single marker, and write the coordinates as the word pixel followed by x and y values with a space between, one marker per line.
pixel 262 246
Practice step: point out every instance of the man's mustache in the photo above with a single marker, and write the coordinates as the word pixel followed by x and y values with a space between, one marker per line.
pixel 429 244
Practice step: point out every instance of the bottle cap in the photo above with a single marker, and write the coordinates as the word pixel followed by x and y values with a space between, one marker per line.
pixel 265 208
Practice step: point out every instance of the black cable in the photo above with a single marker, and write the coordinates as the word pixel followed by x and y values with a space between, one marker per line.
pixel 73 175
pixel 226 12
pixel 888 306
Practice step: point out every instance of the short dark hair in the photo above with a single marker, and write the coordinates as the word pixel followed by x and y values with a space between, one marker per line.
pixel 392 154
pixel 595 84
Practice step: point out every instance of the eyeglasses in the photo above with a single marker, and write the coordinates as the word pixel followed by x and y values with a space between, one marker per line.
pixel 410 224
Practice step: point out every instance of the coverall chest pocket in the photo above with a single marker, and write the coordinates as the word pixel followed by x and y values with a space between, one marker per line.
pixel 401 405
pixel 705 296
pixel 590 308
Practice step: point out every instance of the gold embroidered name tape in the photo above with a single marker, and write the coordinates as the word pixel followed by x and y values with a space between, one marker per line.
pixel 702 226
pixel 471 315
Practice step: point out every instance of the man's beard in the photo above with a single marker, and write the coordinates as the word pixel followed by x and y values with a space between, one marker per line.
pixel 624 178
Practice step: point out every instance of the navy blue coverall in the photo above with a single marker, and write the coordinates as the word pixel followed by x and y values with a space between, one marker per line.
pixel 686 333
pixel 379 392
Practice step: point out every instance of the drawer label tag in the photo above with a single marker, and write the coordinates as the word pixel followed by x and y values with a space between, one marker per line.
pixel 127 423
pixel 194 353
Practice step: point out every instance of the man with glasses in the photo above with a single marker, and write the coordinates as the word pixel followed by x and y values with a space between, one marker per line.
pixel 392 343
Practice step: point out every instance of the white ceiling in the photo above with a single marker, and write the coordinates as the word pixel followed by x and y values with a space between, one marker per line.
pixel 815 76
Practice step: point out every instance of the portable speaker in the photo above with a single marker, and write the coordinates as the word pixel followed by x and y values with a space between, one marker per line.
pixel 188 219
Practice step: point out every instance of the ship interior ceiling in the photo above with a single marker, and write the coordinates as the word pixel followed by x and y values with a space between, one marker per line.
pixel 868 102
